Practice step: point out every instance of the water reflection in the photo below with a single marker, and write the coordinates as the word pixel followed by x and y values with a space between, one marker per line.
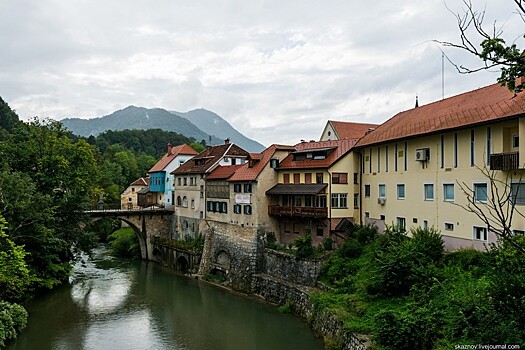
pixel 111 304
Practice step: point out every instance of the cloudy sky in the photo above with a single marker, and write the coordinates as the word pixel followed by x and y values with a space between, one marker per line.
pixel 276 70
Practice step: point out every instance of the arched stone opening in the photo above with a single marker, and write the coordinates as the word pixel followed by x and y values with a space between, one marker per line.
pixel 182 264
pixel 223 260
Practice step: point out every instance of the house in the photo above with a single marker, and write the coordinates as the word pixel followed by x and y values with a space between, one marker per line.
pixel 316 190
pixel 129 198
pixel 339 130
pixel 421 165
pixel 161 180
pixel 189 184
pixel 236 194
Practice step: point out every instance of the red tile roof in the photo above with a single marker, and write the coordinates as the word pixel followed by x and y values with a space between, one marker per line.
pixel 488 104
pixel 340 148
pixel 204 162
pixel 141 182
pixel 247 173
pixel 351 130
pixel 169 156
pixel 223 172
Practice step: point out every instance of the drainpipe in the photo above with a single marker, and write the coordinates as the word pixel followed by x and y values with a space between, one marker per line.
pixel 361 187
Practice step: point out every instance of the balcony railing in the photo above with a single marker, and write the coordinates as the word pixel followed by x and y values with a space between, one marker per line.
pixel 504 161
pixel 279 210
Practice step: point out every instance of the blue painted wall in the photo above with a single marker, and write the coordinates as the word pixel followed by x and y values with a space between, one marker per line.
pixel 157 181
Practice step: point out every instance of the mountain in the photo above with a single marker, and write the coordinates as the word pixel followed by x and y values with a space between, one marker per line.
pixel 138 118
pixel 213 124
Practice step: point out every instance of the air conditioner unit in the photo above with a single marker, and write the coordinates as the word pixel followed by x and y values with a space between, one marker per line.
pixel 381 200
pixel 422 154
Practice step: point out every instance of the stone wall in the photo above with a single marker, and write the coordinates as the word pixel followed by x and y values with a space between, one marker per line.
pixel 289 268
pixel 231 250
pixel 297 297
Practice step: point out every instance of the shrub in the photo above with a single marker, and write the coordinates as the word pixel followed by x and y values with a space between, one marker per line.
pixel 328 242
pixel 304 246
pixel 364 234
pixel 124 243
pixel 13 318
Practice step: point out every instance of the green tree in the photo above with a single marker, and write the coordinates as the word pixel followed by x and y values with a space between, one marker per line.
pixel 492 49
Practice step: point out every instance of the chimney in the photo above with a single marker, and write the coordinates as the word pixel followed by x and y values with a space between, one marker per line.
pixel 227 141
pixel 169 147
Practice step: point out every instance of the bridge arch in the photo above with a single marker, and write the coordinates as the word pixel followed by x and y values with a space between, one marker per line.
pixel 138 234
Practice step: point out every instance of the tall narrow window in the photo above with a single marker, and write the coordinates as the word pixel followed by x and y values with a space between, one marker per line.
pixel 395 158
pixel 406 158
pixel 308 178
pixel 386 158
pixel 370 161
pixel 378 159
pixel 472 150
pixel 382 191
pixel 286 178
pixel 455 150
pixel 489 144
pixel 442 151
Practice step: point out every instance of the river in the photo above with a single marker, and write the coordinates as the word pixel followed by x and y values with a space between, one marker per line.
pixel 117 304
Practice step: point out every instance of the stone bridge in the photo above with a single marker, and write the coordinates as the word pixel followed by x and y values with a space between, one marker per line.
pixel 149 225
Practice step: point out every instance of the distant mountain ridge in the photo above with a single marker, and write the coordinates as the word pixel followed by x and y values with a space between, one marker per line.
pixel 189 124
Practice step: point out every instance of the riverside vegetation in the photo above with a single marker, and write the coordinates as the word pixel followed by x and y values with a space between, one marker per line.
pixel 407 293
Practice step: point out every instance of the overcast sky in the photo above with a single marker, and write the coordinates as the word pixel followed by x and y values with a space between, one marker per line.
pixel 276 70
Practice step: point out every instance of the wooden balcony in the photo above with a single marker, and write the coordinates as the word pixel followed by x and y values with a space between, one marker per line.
pixel 304 212
pixel 504 161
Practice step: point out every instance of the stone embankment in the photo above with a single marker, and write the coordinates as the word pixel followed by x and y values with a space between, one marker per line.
pixel 286 280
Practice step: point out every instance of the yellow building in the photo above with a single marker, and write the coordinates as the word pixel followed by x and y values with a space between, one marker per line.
pixel 419 167
pixel 316 191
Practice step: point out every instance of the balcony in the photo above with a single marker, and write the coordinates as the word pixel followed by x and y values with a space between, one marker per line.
pixel 504 161
pixel 304 212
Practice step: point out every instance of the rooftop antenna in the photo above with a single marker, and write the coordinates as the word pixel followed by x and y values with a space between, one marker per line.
pixel 417 103
pixel 442 75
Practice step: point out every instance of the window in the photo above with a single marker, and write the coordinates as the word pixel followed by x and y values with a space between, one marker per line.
pixel 455 150
pixel 449 226
pixel 178 181
pixel 339 200
pixel 406 158
pixel 442 155
pixel 401 191
pixel 370 162
pixel 472 150
pixel 367 214
pixel 367 190
pixel 320 201
pixel 185 202
pixel 286 178
pixel 179 200
pixel 340 178
pixel 480 192
pixel 296 228
pixel 479 233
pixel 247 188
pixel 386 158
pixel 308 201
pixel 378 159
pixel 414 220
pixel 429 192
pixel 401 224
pixel 185 181
pixel 518 192
pixel 202 191
pixel 248 209
pixel 489 144
pixel 356 200
pixel 515 141
pixel 448 192
pixel 296 178
pixel 320 231
pixel 193 203
pixel 518 232
pixel 395 158
pixel 274 163
pixel 308 178
pixel 319 178
pixel 382 217
pixel 297 201
pixel 382 191
pixel 356 178
pixel 237 188
pixel 425 223
pixel 237 208
pixel 287 227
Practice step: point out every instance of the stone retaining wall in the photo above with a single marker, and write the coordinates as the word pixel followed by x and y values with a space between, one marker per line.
pixel 289 268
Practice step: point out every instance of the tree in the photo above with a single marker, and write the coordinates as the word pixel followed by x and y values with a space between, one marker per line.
pixel 493 50
pixel 499 209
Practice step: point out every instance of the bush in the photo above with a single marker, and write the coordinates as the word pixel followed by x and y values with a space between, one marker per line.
pixel 124 243
pixel 364 234
pixel 328 243
pixel 304 246
pixel 13 318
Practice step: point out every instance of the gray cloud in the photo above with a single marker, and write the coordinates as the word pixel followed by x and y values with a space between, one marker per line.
pixel 276 71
